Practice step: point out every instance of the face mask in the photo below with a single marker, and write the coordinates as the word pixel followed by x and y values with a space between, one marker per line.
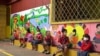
pixel 85 38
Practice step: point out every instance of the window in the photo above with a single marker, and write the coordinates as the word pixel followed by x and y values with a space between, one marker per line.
pixel 75 11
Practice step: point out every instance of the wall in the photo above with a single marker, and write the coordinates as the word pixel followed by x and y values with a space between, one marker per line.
pixel 30 16
pixel 2 21
pixel 27 4
pixel 39 16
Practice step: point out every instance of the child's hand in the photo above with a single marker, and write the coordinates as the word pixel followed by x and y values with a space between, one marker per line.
pixel 65 46
pixel 81 50
pixel 45 42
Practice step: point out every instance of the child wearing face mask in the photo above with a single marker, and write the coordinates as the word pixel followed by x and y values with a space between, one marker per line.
pixel 85 46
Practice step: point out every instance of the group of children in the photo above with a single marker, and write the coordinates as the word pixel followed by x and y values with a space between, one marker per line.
pixel 64 43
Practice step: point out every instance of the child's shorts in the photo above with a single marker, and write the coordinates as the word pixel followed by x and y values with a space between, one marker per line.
pixel 35 42
pixel 47 43
pixel 62 47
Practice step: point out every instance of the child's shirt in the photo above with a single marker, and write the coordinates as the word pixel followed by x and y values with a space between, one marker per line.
pixel 48 38
pixel 86 46
pixel 63 40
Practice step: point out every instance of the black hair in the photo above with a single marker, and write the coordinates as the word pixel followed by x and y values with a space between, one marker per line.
pixel 64 30
pixel 87 36
pixel 28 30
pixel 14 30
pixel 47 32
pixel 38 29
pixel 97 25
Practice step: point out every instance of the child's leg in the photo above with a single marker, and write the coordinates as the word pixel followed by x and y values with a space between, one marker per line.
pixel 36 42
pixel 32 43
pixel 80 53
pixel 21 42
pixel 24 42
pixel 48 49
pixel 65 51
pixel 13 41
pixel 36 47
pixel 84 53
pixel 60 50
pixel 44 46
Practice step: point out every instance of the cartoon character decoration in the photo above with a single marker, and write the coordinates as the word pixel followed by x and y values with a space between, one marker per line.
pixel 96 39
pixel 22 18
pixel 86 30
pixel 74 38
pixel 27 25
pixel 15 22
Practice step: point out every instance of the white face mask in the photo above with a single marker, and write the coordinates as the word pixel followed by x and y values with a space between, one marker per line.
pixel 85 38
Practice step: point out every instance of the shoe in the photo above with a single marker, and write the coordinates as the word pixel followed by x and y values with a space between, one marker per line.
pixel 60 55
pixel 54 54
pixel 47 52
pixel 21 45
pixel 24 46
pixel 44 51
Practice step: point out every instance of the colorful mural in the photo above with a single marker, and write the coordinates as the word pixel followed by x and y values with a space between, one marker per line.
pixel 31 18
pixel 39 16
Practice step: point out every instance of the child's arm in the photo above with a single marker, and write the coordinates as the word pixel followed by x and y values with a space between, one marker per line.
pixel 86 47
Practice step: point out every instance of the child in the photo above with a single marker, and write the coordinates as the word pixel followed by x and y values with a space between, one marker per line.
pixel 63 43
pixel 27 38
pixel 38 38
pixel 13 36
pixel 47 42
pixel 85 46
pixel 96 39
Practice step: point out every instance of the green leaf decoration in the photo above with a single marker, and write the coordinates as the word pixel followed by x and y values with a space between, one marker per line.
pixel 43 31
pixel 45 20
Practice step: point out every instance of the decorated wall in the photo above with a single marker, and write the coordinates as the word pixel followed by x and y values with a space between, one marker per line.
pixel 31 18
pixel 39 16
